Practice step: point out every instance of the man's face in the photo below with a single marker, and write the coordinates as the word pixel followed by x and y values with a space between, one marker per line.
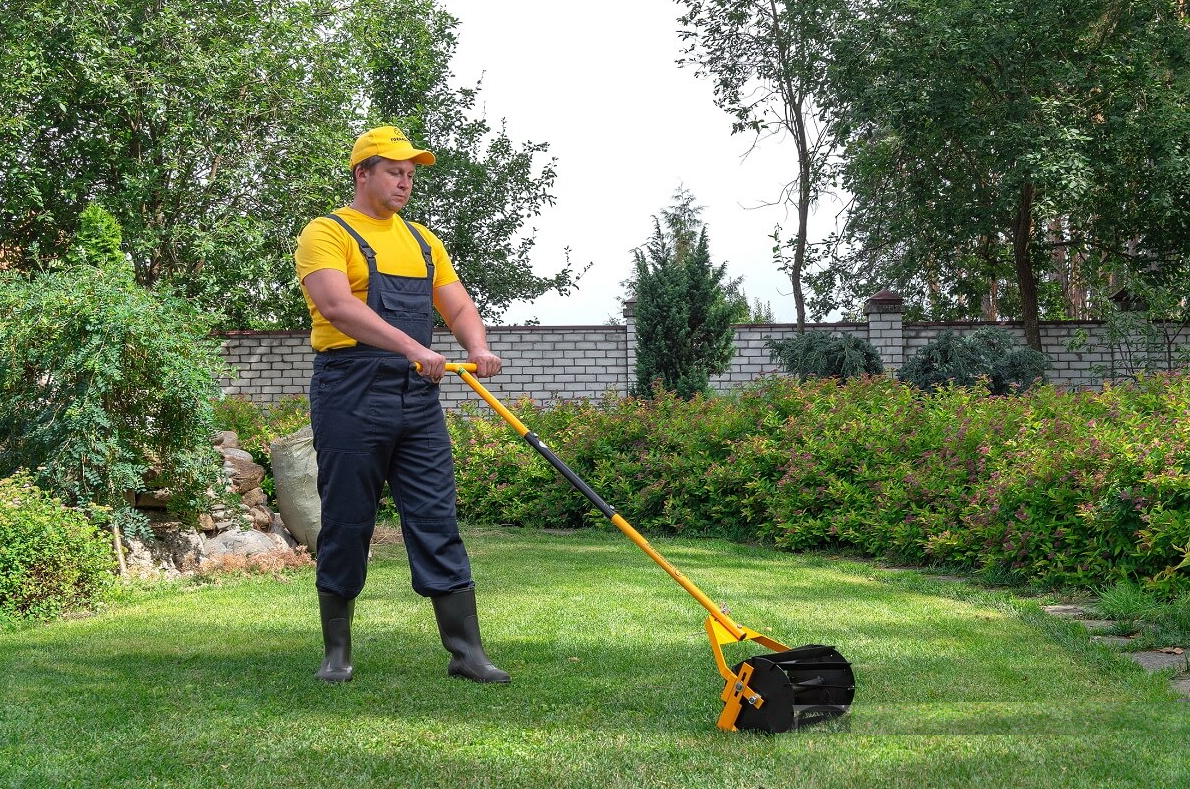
pixel 388 186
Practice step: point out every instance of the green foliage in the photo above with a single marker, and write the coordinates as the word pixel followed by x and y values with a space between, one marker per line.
pixel 1062 489
pixel 1144 332
pixel 683 316
pixel 103 380
pixel 989 354
pixel 820 354
pixel 1005 155
pixel 1162 621
pixel 213 131
pixel 52 559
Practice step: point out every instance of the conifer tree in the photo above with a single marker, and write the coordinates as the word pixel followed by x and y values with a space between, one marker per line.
pixel 683 317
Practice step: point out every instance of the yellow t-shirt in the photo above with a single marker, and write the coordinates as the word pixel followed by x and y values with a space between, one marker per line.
pixel 325 244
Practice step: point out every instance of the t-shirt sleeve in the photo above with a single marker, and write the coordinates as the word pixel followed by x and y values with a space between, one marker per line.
pixel 320 246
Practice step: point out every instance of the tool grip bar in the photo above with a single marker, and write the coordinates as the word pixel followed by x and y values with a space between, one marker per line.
pixel 464 371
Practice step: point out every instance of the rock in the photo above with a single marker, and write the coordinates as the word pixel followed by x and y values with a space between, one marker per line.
pixel 244 472
pixel 153 499
pixel 1156 661
pixel 1070 611
pixel 237 542
pixel 226 439
pixel 175 550
pixel 254 498
pixel 1097 624
pixel 206 522
pixel 261 518
pixel 277 529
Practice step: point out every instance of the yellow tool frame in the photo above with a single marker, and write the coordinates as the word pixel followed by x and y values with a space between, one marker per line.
pixel 800 686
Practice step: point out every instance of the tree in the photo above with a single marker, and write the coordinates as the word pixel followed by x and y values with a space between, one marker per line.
pixel 213 131
pixel 683 318
pixel 768 61
pixel 483 188
pixel 1002 155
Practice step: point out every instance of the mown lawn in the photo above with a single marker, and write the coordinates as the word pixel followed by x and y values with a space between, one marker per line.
pixel 613 683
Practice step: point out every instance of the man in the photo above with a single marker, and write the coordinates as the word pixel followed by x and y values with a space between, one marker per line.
pixel 372 281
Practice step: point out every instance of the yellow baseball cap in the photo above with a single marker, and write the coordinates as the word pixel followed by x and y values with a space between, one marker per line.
pixel 389 142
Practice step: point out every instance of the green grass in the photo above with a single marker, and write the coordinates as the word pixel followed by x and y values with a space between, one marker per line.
pixel 613 683
pixel 1156 622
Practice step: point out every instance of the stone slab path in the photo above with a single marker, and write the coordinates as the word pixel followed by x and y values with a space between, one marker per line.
pixel 1150 660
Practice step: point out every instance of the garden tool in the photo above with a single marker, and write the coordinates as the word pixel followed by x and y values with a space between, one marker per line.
pixel 773 692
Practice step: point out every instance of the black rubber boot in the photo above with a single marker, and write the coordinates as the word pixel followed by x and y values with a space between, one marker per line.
pixel 336 612
pixel 459 628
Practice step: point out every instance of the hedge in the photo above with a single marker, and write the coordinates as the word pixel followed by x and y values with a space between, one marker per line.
pixel 1078 489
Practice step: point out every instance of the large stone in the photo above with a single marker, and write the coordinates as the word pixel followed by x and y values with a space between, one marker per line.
pixel 226 439
pixel 240 543
pixel 277 529
pixel 153 499
pixel 244 472
pixel 173 551
pixel 262 518
pixel 1156 660
pixel 254 498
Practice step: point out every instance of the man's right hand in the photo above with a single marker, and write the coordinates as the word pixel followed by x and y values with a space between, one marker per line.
pixel 429 364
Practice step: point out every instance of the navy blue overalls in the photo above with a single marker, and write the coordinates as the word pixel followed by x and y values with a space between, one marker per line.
pixel 376 419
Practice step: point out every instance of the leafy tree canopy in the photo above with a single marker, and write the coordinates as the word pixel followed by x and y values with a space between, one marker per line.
pixel 213 131
pixel 1010 158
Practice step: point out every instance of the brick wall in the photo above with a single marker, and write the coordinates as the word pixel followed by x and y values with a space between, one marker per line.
pixel 549 363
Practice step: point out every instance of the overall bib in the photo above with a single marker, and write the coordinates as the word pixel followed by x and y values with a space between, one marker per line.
pixel 375 419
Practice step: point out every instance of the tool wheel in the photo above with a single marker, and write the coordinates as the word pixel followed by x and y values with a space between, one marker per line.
pixel 800 687
pixel 776 714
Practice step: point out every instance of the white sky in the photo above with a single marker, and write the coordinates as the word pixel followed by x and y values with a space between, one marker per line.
pixel 599 83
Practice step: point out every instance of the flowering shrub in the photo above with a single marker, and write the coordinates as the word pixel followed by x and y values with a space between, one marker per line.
pixel 1063 488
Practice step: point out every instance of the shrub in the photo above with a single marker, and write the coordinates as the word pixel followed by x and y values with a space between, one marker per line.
pixel 104 381
pixel 683 316
pixel 989 354
pixel 52 559
pixel 1062 489
pixel 820 354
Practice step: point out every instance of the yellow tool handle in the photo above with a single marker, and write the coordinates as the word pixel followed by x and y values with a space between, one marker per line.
pixel 464 371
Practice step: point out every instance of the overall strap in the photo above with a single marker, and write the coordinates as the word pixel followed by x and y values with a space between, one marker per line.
pixel 425 249
pixel 364 246
pixel 370 254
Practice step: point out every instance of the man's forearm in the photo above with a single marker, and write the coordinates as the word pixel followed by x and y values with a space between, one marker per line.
pixel 361 323
pixel 468 329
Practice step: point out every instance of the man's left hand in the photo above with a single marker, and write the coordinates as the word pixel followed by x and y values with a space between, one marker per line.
pixel 486 363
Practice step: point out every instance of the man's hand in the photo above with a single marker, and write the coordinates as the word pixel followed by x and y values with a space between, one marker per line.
pixel 429 364
pixel 486 363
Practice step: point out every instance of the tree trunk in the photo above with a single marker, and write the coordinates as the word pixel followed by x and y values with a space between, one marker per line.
pixel 1022 232
pixel 795 122
pixel 803 221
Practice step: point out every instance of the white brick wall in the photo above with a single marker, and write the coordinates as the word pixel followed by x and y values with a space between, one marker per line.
pixel 550 363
